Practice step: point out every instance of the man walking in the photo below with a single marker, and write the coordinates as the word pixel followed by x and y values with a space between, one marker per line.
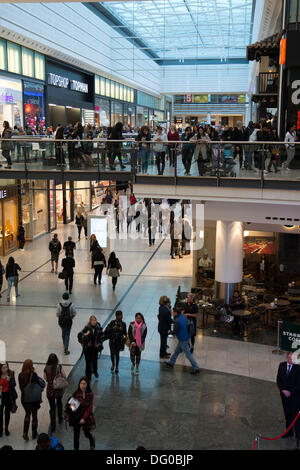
pixel 65 313
pixel 288 384
pixel 68 265
pixel 55 249
pixel 69 247
pixel 182 332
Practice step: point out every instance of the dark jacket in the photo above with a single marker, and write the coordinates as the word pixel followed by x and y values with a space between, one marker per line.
pixel 131 334
pixel 2 271
pixel 86 405
pixel 68 264
pixel 79 220
pixel 98 256
pixel 69 247
pixel 12 270
pixel 147 139
pixel 164 320
pixel 22 384
pixel 94 339
pixel 116 333
pixel 237 304
pixel 290 382
pixel 55 247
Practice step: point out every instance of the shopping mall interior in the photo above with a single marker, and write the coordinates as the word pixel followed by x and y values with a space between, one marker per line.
pixel 197 192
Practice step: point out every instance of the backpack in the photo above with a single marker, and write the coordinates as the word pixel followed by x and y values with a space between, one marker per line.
pixel 190 328
pixel 65 319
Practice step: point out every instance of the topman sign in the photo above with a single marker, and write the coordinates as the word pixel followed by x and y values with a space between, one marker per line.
pixel 63 82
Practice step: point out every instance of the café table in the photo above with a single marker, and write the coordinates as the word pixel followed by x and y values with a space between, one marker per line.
pixel 270 308
pixel 241 313
pixel 203 306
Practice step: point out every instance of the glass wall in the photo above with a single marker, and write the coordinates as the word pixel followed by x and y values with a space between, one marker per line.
pixel 142 116
pixel 102 115
pixel 129 115
pixel 21 60
pixel 52 205
pixel 116 112
pixel 112 89
pixel 9 225
pixel 11 103
pixel 82 194
pixel 34 208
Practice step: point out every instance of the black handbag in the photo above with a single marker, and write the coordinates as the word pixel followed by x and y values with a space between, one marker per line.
pixel 32 393
pixel 62 275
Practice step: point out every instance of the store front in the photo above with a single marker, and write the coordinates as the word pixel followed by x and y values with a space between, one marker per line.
pixel 82 196
pixel 142 116
pixel 11 103
pixel 34 196
pixel 129 116
pixel 116 112
pixel 97 192
pixel 102 112
pixel 64 203
pixel 69 95
pixel 8 219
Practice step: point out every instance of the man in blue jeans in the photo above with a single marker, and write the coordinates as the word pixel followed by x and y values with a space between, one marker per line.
pixel 181 331
pixel 65 313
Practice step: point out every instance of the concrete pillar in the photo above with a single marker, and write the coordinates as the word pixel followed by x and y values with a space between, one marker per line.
pixel 229 258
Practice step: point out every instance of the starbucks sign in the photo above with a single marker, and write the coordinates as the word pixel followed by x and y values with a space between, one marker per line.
pixel 290 339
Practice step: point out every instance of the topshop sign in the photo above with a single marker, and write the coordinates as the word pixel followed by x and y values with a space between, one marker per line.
pixel 63 82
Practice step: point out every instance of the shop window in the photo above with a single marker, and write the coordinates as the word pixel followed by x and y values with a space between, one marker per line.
pixel 10 224
pixel 97 85
pixel 39 66
pixel 34 109
pixel 27 62
pixel 14 58
pixel 3 58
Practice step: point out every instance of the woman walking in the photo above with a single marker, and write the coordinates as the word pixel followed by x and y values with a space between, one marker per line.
pixel 137 333
pixel 144 138
pixel 53 370
pixel 85 397
pixel 116 333
pixel 31 398
pixel 6 145
pixel 91 338
pixel 98 263
pixel 8 396
pixel 12 276
pixel 113 268
pixel 79 223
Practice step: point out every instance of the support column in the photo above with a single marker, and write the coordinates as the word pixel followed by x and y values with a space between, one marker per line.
pixel 229 258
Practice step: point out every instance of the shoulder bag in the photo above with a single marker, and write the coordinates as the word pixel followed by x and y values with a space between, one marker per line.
pixel 32 393
pixel 59 381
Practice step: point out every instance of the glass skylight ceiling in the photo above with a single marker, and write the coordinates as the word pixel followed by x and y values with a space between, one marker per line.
pixel 187 29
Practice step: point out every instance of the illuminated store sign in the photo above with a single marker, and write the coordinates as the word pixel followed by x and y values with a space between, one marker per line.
pixel 63 82
pixel 3 193
pixel 4 97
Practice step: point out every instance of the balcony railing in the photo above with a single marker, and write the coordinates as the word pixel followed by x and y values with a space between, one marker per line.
pixel 208 162
pixel 268 83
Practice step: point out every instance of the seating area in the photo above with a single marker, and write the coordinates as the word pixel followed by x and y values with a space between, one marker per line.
pixel 257 322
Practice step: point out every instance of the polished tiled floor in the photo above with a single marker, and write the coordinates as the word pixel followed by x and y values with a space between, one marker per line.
pixel 29 327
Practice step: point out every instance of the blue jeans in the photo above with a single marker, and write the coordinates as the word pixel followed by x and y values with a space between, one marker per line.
pixel 12 281
pixel 65 332
pixel 143 157
pixel 183 346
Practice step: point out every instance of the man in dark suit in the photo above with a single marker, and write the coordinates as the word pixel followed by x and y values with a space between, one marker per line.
pixel 288 382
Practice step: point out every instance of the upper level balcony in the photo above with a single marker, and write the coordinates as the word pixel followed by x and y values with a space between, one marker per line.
pixel 198 164
pixel 267 83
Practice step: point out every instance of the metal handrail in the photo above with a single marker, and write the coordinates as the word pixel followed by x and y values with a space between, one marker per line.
pixel 171 142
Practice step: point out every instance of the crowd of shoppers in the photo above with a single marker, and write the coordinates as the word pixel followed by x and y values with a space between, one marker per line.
pixel 193 141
